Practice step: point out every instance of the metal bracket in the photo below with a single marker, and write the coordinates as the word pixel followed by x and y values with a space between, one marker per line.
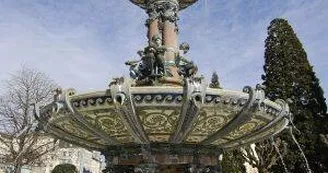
pixel 194 94
pixel 120 91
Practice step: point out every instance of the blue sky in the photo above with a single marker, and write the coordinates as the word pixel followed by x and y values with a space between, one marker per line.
pixel 84 43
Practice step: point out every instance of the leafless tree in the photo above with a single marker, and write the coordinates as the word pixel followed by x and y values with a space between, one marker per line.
pixel 20 144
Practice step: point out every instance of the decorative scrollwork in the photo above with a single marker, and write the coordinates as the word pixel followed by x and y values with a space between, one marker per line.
pixel 111 123
pixel 178 98
pixel 159 98
pixel 148 98
pixel 168 98
pixel 99 101
pixel 227 101
pixel 138 98
pixel 158 121
pixel 208 122
pixel 92 101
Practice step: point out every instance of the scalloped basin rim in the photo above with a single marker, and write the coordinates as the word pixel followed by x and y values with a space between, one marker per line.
pixel 160 89
pixel 173 89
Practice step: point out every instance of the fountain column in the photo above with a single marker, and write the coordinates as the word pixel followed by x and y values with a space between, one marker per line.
pixel 152 22
pixel 162 21
pixel 170 40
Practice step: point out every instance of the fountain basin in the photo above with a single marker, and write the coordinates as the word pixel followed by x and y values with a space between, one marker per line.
pixel 164 115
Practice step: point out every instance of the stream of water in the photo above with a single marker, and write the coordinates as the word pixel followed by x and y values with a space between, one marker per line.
pixel 279 154
pixel 302 153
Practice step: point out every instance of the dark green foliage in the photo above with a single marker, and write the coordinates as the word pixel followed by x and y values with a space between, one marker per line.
pixel 64 168
pixel 215 83
pixel 289 75
pixel 233 162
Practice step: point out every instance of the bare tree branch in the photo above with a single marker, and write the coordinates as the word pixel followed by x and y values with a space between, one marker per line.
pixel 18 144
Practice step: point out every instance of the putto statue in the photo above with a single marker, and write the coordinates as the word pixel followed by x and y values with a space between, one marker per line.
pixel 162 62
pixel 156 52
pixel 152 65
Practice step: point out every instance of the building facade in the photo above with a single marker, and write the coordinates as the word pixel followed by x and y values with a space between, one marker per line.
pixel 85 161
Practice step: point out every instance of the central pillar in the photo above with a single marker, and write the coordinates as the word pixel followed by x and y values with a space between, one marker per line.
pixel 162 21
pixel 152 23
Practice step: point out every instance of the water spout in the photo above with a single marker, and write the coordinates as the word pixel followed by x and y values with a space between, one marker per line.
pixel 302 153
pixel 296 142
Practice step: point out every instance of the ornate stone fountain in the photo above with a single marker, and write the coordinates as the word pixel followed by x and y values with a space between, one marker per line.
pixel 164 117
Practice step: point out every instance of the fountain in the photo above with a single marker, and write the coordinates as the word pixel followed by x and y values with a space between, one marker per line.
pixel 164 117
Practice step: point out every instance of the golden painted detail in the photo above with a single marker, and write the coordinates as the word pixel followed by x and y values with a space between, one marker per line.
pixel 261 136
pixel 270 131
pixel 71 127
pixel 251 126
pixel 110 123
pixel 209 121
pixel 159 120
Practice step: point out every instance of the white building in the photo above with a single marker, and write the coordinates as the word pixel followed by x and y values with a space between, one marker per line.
pixel 85 161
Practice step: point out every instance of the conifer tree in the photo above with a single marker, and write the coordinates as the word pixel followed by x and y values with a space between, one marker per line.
pixel 289 75
pixel 215 83
pixel 233 161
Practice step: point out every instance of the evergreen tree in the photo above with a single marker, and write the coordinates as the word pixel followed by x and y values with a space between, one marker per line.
pixel 233 161
pixel 289 75
pixel 215 81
